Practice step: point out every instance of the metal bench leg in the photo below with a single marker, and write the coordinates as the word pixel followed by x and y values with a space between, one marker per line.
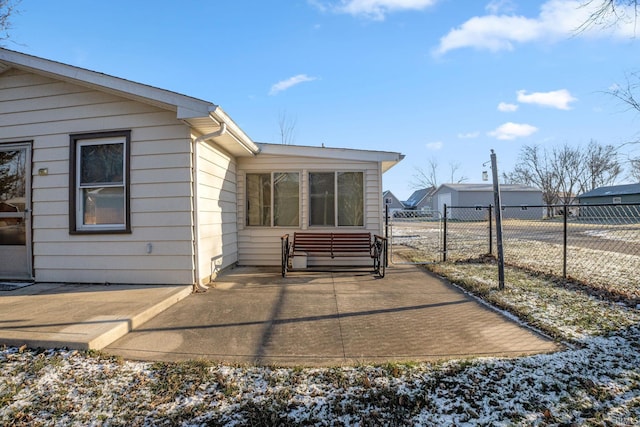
pixel 379 258
pixel 285 256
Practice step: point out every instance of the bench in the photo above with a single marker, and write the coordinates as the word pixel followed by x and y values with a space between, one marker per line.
pixel 334 245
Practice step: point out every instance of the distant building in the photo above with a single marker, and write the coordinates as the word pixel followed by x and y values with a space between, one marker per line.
pixel 523 201
pixel 558 202
pixel 614 194
pixel 420 199
pixel 628 193
pixel 390 199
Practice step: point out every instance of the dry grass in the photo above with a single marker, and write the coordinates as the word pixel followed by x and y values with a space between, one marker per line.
pixel 594 383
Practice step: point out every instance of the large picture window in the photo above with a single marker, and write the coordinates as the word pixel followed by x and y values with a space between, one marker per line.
pixel 273 199
pixel 99 173
pixel 336 198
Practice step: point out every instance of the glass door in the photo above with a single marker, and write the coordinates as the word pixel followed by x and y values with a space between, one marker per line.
pixel 15 206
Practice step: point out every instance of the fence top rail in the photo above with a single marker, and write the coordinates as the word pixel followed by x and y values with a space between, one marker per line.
pixel 606 204
pixel 573 205
pixel 471 207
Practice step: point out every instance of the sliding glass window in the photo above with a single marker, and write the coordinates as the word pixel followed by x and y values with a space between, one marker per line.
pixel 336 198
pixel 273 199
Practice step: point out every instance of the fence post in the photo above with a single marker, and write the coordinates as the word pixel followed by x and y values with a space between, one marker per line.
pixel 490 231
pixel 564 243
pixel 386 234
pixel 444 236
pixel 496 196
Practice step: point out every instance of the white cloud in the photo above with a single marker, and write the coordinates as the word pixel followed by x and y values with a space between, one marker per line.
pixel 558 19
pixel 435 146
pixel 559 99
pixel 507 108
pixel 496 6
pixel 469 135
pixel 372 9
pixel 509 131
pixel 290 82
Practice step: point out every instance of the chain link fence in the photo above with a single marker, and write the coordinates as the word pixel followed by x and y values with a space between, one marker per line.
pixel 415 237
pixel 598 245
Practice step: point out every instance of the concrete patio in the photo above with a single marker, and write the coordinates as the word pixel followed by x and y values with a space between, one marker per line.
pixel 253 315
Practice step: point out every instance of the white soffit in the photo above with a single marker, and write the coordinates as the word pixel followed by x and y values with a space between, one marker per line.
pixel 388 159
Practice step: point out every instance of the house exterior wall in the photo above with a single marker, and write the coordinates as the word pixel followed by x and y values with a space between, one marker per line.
pixel 46 111
pixel 217 222
pixel 261 245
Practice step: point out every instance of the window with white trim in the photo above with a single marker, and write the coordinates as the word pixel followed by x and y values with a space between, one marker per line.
pixel 336 198
pixel 99 199
pixel 273 199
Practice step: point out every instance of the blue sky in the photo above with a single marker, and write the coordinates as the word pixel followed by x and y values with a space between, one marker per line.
pixel 446 80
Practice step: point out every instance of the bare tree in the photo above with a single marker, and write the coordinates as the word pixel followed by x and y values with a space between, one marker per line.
pixel 567 163
pixel 454 167
pixel 287 128
pixel 426 178
pixel 627 93
pixel 536 169
pixel 634 172
pixel 565 171
pixel 7 11
pixel 601 166
pixel 608 12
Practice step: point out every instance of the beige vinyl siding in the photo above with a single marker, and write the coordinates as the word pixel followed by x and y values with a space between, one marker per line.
pixel 217 238
pixel 261 245
pixel 47 111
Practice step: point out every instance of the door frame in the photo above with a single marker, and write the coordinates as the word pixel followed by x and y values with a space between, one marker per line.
pixel 27 272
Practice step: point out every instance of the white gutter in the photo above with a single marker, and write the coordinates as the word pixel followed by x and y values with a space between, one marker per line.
pixel 196 142
pixel 219 132
pixel 219 116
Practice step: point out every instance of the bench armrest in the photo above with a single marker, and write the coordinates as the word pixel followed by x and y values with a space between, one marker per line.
pixel 284 253
pixel 285 244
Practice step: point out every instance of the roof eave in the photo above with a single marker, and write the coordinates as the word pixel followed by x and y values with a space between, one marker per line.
pixel 185 106
pixel 387 159
pixel 202 116
pixel 218 114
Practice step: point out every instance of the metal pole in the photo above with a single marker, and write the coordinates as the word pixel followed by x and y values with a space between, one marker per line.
pixel 490 231
pixel 496 197
pixel 564 244
pixel 386 234
pixel 444 235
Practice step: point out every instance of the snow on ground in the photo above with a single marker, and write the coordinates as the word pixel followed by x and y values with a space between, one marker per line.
pixel 595 381
pixel 598 384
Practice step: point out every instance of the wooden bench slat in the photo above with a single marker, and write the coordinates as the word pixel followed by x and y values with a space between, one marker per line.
pixel 332 244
